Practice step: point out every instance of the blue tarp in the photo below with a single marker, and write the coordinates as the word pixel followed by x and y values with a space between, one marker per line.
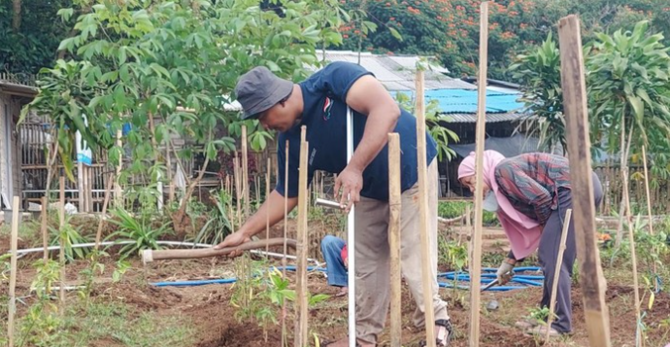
pixel 465 100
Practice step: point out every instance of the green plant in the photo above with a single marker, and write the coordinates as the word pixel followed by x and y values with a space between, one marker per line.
pixel 539 72
pixel 539 315
pixel 218 225
pixel 41 324
pixel 141 230
pixel 71 236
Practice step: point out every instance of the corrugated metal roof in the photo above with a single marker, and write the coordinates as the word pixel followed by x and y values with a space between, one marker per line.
pixel 397 73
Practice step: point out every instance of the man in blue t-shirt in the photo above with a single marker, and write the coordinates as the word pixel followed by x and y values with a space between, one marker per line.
pixel 320 103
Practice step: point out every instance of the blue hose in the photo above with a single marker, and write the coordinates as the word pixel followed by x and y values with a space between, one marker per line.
pixel 487 277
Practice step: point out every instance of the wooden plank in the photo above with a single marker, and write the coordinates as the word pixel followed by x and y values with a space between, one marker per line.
pixel 61 225
pixel 301 276
pixel 579 146
pixel 476 241
pixel 423 210
pixel 557 271
pixel 394 238
pixel 13 269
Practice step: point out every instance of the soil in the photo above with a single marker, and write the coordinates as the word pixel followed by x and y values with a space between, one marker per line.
pixel 208 308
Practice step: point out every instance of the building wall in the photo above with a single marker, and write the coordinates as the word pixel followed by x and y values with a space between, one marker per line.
pixel 10 109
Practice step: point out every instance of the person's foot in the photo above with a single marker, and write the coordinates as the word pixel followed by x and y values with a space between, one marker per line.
pixel 541 331
pixel 343 292
pixel 443 331
pixel 526 323
pixel 345 343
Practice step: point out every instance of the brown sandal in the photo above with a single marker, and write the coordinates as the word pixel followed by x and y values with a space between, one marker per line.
pixel 441 343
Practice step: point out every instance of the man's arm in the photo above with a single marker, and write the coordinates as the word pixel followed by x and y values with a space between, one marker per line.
pixel 369 97
pixel 274 205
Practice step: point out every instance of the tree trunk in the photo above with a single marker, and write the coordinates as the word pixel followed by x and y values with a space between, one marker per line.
pixel 16 17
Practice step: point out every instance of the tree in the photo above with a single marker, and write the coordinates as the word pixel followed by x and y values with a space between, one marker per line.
pixel 539 73
pixel 147 64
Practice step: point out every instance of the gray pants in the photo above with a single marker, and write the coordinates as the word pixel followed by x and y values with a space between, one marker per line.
pixel 372 258
pixel 548 252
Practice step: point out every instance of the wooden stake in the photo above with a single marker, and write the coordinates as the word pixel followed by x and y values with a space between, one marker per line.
pixel 245 172
pixel 426 251
pixel 651 217
pixel 394 238
pixel 98 234
pixel 557 271
pixel 476 245
pixel 579 146
pixel 12 276
pixel 45 233
pixel 267 210
pixel 301 285
pixel 633 257
pixel 61 220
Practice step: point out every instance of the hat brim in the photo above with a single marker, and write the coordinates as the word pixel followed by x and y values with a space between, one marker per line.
pixel 282 88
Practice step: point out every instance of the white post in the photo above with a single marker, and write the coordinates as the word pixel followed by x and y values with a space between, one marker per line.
pixel 351 245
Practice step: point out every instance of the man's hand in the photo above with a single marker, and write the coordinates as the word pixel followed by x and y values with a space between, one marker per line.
pixel 505 271
pixel 233 240
pixel 351 182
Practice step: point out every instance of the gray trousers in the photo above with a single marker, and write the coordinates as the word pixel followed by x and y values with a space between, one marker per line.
pixel 548 252
pixel 372 258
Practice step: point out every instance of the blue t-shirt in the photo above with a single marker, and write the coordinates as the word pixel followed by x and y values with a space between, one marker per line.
pixel 325 115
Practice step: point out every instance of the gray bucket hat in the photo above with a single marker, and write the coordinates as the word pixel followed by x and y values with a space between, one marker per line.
pixel 259 89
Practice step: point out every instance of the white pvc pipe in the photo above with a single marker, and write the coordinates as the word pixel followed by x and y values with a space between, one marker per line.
pixel 351 244
pixel 23 252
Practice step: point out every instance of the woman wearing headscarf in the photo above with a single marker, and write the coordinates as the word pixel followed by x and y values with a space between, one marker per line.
pixel 530 194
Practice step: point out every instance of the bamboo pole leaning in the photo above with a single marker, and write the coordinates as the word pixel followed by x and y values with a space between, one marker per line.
pixel 245 172
pixel 283 262
pixel 61 220
pixel 649 213
pixel 44 217
pixel 557 271
pixel 476 245
pixel 394 238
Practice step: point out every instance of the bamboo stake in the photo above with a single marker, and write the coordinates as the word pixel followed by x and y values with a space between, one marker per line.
pixel 267 210
pixel 579 144
pixel 45 234
pixel 98 234
pixel 651 218
pixel 283 261
pixel 394 238
pixel 557 271
pixel 12 276
pixel 476 248
pixel 245 172
pixel 301 285
pixel 118 198
pixel 423 212
pixel 238 193
pixel 631 239
pixel 61 217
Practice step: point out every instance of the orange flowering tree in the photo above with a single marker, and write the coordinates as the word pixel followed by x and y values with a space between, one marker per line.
pixel 449 29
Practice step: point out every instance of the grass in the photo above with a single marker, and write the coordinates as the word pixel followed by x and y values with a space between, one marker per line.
pixel 116 324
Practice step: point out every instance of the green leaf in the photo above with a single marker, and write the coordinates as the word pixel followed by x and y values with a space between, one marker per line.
pixel 395 33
